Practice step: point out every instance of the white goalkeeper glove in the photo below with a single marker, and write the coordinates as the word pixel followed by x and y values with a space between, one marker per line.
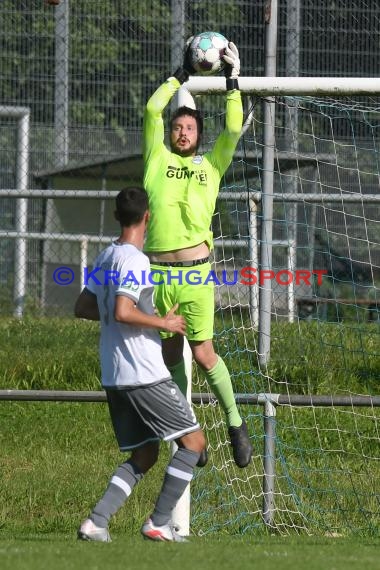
pixel 232 60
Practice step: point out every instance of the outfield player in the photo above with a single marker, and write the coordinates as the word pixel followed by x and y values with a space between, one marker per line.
pixel 145 405
pixel 183 186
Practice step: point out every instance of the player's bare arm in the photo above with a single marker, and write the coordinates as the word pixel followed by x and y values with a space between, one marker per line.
pixel 127 312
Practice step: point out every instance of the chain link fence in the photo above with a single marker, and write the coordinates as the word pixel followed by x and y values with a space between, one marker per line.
pixel 83 70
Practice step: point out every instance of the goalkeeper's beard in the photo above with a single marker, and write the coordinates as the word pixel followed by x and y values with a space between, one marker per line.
pixel 185 152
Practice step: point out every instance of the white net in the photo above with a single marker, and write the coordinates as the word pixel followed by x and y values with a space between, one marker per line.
pixel 324 332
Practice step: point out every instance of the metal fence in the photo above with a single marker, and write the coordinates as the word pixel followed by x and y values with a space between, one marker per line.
pixel 83 70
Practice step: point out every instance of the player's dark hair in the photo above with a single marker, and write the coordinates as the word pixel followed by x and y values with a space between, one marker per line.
pixel 131 205
pixel 183 111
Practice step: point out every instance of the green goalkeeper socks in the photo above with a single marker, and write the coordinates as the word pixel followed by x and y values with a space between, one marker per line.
pixel 178 373
pixel 220 383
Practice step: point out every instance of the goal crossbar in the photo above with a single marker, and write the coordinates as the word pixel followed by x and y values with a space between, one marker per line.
pixel 267 86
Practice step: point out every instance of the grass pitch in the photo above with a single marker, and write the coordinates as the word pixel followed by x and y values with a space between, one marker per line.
pixel 57 458
pixel 36 552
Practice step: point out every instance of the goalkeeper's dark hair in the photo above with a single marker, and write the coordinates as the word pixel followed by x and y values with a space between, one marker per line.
pixel 182 111
pixel 131 205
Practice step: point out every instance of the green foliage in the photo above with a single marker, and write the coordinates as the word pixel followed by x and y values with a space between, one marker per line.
pixel 118 54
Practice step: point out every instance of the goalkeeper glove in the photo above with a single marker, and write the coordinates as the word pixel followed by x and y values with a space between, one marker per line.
pixel 182 73
pixel 232 67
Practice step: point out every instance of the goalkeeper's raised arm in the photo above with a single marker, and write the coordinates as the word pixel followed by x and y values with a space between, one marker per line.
pixel 183 185
pixel 225 145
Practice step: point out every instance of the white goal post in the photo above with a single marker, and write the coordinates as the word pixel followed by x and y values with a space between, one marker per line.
pixel 22 116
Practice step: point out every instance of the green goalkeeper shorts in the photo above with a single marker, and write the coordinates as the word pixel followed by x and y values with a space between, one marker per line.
pixel 193 290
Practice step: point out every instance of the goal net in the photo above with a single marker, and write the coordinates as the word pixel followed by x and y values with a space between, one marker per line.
pixel 315 420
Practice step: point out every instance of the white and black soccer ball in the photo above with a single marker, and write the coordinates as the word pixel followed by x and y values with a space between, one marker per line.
pixel 206 52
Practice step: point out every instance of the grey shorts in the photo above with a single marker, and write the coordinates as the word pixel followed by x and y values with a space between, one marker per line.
pixel 150 413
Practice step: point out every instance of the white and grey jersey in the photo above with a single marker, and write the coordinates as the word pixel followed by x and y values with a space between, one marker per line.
pixel 130 356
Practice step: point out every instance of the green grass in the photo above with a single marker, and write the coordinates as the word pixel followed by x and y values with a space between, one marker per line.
pixel 306 357
pixel 57 457
pixel 46 353
pixel 34 552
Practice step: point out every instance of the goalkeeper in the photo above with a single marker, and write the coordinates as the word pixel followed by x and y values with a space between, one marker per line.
pixel 183 186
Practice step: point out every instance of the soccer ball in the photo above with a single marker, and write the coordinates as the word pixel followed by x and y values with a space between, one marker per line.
pixel 206 52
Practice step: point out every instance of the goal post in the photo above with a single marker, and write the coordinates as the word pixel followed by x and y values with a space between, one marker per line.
pixel 22 116
pixel 316 468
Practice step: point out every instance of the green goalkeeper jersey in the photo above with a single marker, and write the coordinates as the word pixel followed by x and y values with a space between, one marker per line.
pixel 183 190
